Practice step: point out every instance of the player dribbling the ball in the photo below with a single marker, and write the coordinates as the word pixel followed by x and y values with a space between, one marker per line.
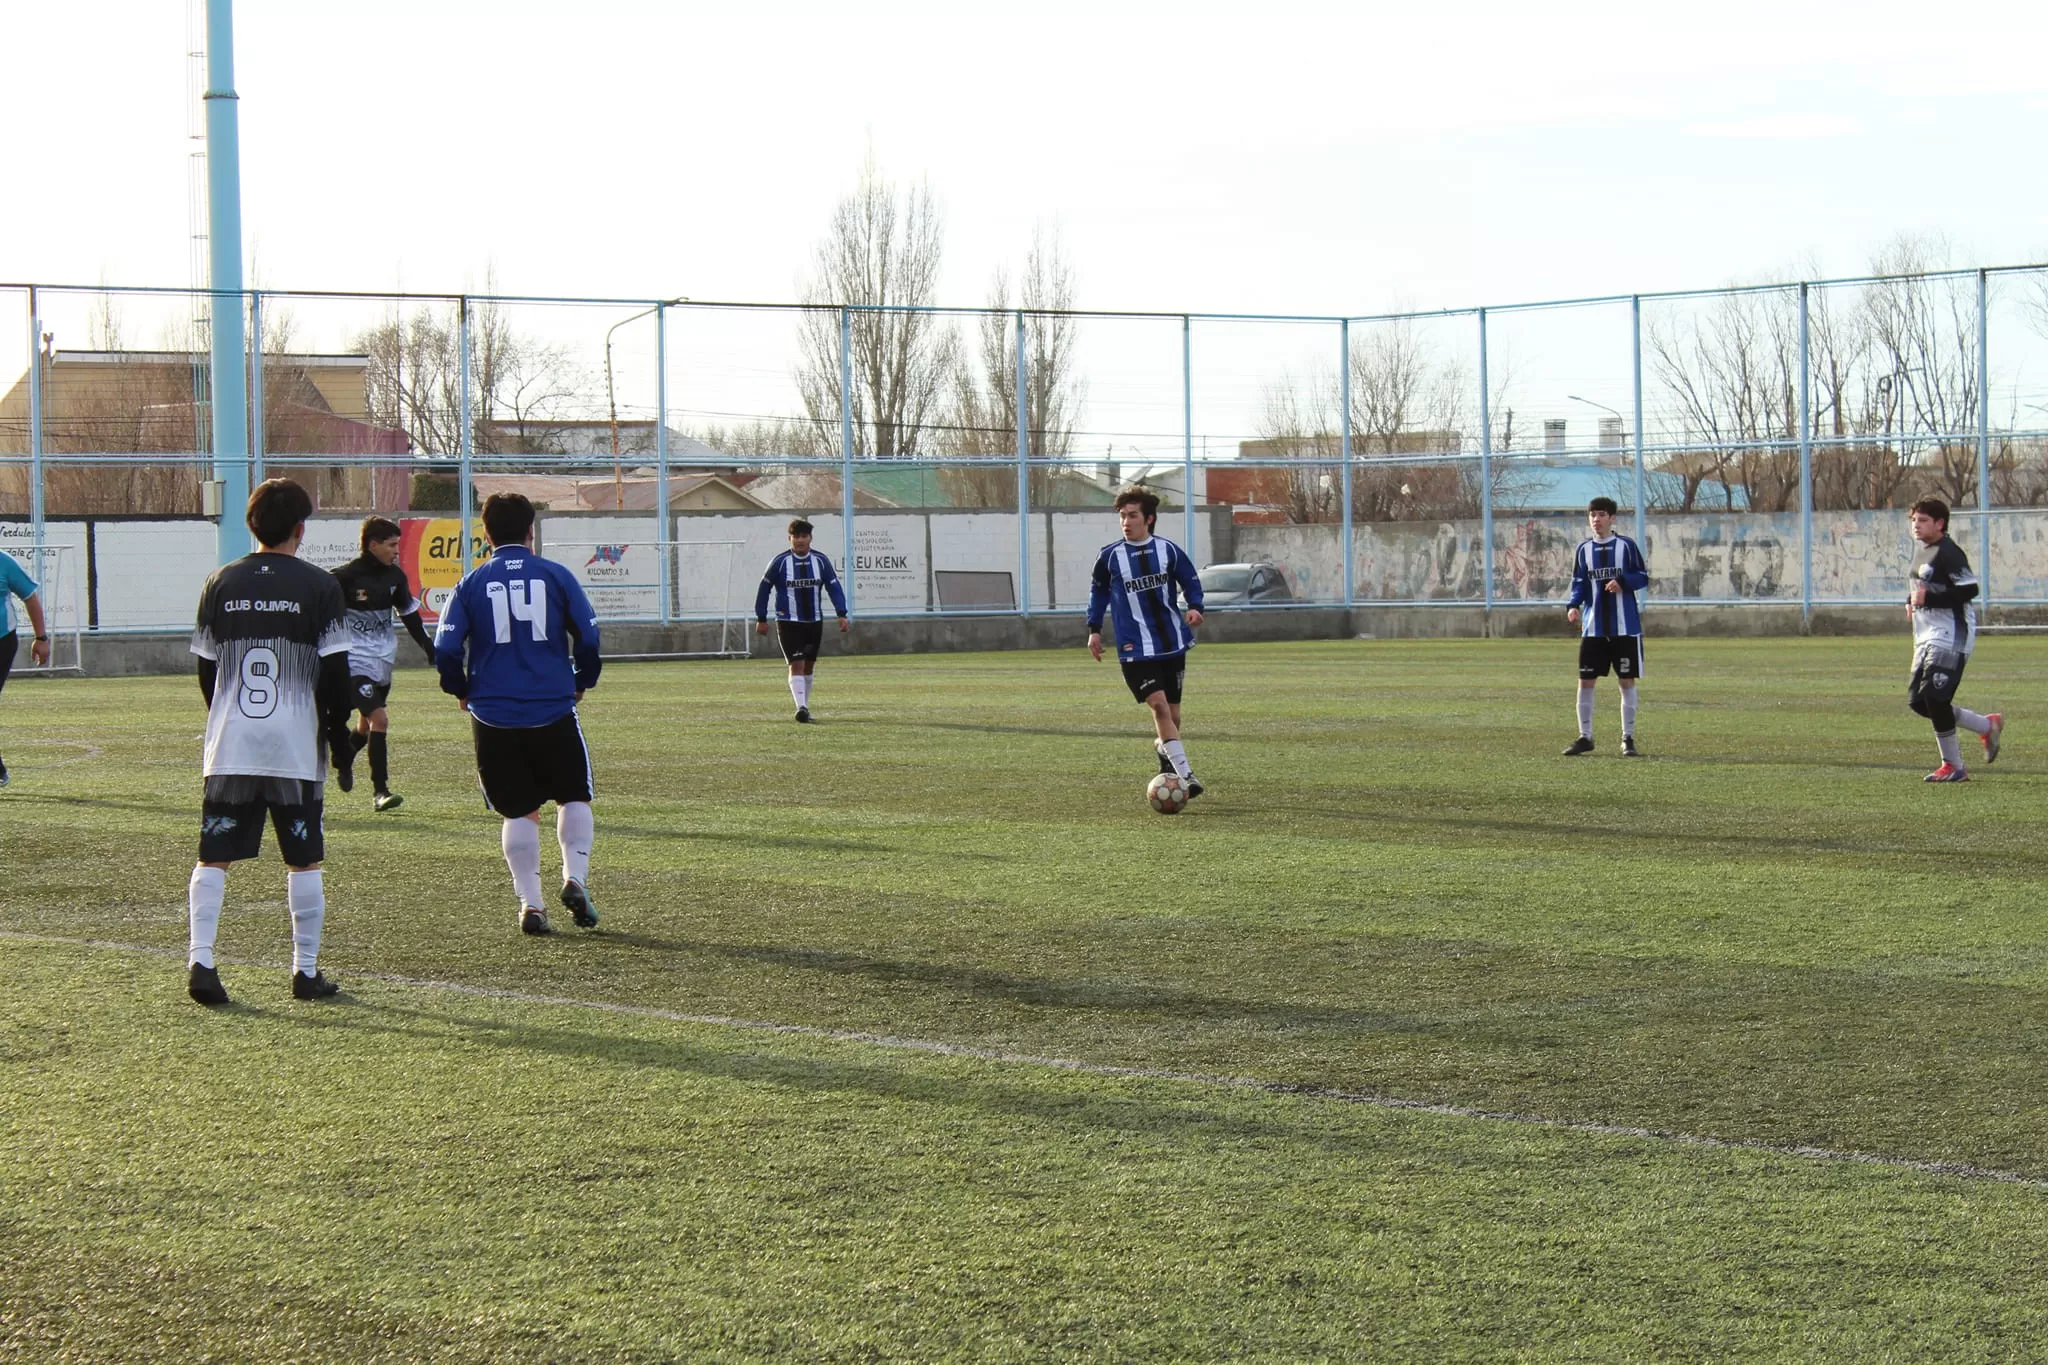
pixel 1136 582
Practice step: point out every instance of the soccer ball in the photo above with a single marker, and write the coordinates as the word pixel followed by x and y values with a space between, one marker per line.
pixel 1167 793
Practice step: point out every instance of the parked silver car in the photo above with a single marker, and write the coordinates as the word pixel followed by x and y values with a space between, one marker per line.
pixel 1237 585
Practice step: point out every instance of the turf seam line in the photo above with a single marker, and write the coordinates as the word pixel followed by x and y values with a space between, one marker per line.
pixel 1285 1089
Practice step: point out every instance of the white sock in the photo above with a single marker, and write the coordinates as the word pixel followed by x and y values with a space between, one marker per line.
pixel 1585 713
pixel 1628 711
pixel 803 695
pixel 1178 757
pixel 521 842
pixel 575 828
pixel 209 887
pixel 308 900
pixel 1971 721
pixel 796 688
pixel 1951 752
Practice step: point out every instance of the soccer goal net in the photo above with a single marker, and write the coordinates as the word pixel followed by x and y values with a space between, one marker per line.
pixel 59 574
pixel 701 580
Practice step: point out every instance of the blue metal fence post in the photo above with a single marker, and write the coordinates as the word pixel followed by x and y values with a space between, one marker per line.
pixel 1984 435
pixel 256 387
pixel 1344 449
pixel 224 282
pixel 1187 428
pixel 1805 461
pixel 664 515
pixel 850 577
pixel 466 449
pixel 1636 367
pixel 35 428
pixel 1485 476
pixel 1023 470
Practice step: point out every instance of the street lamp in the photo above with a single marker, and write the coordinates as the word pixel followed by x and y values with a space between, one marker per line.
pixel 1604 408
pixel 612 401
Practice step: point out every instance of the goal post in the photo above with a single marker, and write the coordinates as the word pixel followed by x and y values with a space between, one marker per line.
pixel 59 575
pixel 703 580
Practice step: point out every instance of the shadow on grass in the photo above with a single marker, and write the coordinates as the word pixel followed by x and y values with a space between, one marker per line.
pixel 1070 1099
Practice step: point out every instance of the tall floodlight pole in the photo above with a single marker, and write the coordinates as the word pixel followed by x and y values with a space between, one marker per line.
pixel 1344 450
pixel 664 518
pixel 1805 455
pixel 35 427
pixel 1187 427
pixel 1485 479
pixel 465 470
pixel 224 242
pixel 852 576
pixel 1023 471
pixel 1636 372
pixel 1984 434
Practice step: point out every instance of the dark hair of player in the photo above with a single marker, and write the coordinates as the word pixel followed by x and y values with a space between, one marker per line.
pixel 379 528
pixel 1933 507
pixel 508 518
pixel 1603 504
pixel 1146 500
pixel 277 508
pixel 800 527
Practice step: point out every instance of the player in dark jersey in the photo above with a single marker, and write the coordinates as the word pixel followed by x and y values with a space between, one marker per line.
pixel 796 579
pixel 273 667
pixel 372 588
pixel 518 646
pixel 1608 570
pixel 1943 606
pixel 1135 582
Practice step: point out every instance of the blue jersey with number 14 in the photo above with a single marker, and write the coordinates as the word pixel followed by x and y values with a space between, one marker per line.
pixel 530 637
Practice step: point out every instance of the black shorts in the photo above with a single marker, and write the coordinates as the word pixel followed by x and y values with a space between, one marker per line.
pixel 366 694
pixel 1146 676
pixel 231 831
pixel 1622 653
pixel 523 769
pixel 9 643
pixel 1937 675
pixel 801 640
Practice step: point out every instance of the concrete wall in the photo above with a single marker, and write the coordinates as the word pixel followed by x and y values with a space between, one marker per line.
pixel 112 656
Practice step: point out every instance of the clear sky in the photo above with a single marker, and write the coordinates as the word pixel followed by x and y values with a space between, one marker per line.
pixel 1280 158
pixel 1285 157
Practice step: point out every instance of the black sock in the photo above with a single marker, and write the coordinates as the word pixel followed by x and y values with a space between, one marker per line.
pixel 380 763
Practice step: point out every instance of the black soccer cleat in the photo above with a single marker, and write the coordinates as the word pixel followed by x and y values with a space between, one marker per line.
pixel 1165 763
pixel 1581 745
pixel 3 772
pixel 535 922
pixel 1195 787
pixel 314 987
pixel 803 715
pixel 387 801
pixel 203 985
pixel 581 907
pixel 1628 747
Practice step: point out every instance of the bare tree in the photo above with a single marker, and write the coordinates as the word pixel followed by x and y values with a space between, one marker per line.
pixel 1923 331
pixel 880 257
pixel 984 415
pixel 515 380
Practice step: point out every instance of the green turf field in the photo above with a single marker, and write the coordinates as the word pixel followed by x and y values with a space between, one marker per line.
pixel 1646 1011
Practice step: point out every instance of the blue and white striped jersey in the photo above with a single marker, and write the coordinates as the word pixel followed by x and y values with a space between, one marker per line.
pixel 1135 582
pixel 796 581
pixel 518 640
pixel 1594 564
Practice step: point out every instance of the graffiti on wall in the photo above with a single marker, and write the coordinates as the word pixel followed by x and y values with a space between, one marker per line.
pixel 1709 557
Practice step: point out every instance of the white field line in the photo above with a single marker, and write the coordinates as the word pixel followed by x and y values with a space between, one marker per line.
pixel 1961 1169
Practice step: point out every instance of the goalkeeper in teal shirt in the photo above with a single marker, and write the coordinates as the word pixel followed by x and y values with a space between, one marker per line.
pixel 14 582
